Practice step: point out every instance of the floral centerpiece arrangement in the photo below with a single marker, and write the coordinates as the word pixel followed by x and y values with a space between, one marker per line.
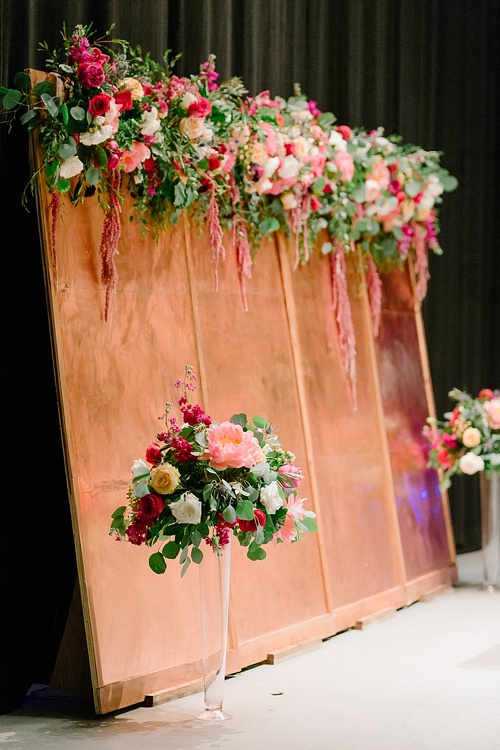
pixel 468 439
pixel 111 120
pixel 205 481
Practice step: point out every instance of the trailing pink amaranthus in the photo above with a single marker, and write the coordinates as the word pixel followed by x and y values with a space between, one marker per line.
pixel 374 293
pixel 215 233
pixel 55 211
pixel 241 243
pixel 297 222
pixel 109 240
pixel 421 262
pixel 342 308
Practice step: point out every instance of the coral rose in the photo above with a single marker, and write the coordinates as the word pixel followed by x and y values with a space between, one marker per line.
pixel 230 446
pixel 492 409
pixel 164 479
pixel 135 157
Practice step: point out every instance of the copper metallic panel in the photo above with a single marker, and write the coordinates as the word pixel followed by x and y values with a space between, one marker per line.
pixel 247 366
pixel 349 455
pixel 421 508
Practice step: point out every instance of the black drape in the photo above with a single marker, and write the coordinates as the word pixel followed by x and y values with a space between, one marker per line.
pixel 426 69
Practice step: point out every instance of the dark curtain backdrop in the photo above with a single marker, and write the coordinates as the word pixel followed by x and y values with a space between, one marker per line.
pixel 425 69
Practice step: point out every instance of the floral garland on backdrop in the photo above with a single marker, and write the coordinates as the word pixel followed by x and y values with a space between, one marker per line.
pixel 207 481
pixel 468 439
pixel 251 165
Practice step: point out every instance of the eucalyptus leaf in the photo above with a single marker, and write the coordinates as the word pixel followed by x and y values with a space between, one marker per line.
pixel 244 510
pixel 157 563
pixel 11 99
pixel 49 102
pixel 93 176
pixel 44 87
pixel 170 550
pixel 185 567
pixel 140 488
pixel 260 422
pixel 196 555
pixel 413 188
pixel 448 182
pixel 23 81
pixel 326 248
pixel 29 115
pixel 309 523
pixel 255 552
pixel 63 186
pixel 179 194
pixel 67 150
pixel 65 113
pixel 268 225
pixel 229 514
pixel 118 513
pixel 184 554
pixel 77 113
pixel 240 419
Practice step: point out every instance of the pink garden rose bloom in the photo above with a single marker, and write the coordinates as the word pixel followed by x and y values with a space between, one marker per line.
pixel 292 475
pixel 135 157
pixel 230 446
pixel 492 409
pixel 345 163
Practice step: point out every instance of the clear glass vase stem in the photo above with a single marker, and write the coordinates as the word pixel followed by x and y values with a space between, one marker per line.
pixel 215 574
pixel 490 527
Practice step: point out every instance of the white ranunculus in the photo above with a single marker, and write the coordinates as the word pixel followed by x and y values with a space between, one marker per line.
pixel 270 497
pixel 149 121
pixel 71 167
pixel 470 463
pixel 471 437
pixel 289 168
pixel 187 509
pixel 433 185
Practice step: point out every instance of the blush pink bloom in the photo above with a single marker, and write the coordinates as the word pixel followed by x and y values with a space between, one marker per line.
pixel 288 532
pixel 230 446
pixel 492 409
pixel 292 475
pixel 135 157
pixel 380 173
pixel 345 163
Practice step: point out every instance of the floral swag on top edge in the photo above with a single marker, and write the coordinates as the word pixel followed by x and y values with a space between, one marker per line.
pixel 468 440
pixel 207 481
pixel 250 165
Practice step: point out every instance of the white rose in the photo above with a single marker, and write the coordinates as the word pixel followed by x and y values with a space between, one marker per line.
pixel 427 201
pixel 270 497
pixel 150 122
pixel 271 166
pixel 289 168
pixel 471 437
pixel 301 150
pixel 433 185
pixel 470 463
pixel 70 167
pixel 139 468
pixel 187 509
pixel 372 190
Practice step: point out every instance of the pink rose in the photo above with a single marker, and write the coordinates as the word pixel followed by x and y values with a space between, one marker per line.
pixel 485 393
pixel 345 131
pixel 345 163
pixel 123 99
pixel 99 104
pixel 200 108
pixel 90 75
pixel 133 159
pixel 492 409
pixel 230 446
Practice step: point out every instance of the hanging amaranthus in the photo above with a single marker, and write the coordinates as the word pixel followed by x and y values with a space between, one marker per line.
pixel 374 284
pixel 421 261
pixel 217 251
pixel 241 243
pixel 55 211
pixel 110 238
pixel 342 308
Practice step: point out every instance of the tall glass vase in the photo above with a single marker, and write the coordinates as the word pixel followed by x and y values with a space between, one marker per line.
pixel 215 574
pixel 490 527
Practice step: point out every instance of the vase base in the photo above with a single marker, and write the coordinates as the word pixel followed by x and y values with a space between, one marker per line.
pixel 213 714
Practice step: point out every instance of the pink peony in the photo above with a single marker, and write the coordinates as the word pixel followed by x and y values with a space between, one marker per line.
pixel 492 409
pixel 230 446
pixel 200 108
pixel 133 159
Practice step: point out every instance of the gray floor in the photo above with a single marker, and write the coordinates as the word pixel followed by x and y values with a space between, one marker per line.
pixel 428 678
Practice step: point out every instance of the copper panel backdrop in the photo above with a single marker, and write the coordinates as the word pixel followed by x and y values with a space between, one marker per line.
pixel 279 360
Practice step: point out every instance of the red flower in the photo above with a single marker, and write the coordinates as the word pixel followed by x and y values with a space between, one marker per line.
pixel 200 108
pixel 258 516
pixel 136 533
pixel 345 131
pixel 213 162
pixel 485 393
pixel 124 99
pixel 153 453
pixel 90 75
pixel 315 203
pixel 99 104
pixel 150 507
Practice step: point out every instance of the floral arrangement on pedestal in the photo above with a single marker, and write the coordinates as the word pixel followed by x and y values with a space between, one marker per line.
pixel 112 120
pixel 205 481
pixel 467 441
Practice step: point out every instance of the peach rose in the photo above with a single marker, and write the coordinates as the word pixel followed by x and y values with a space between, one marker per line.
pixel 345 163
pixel 134 86
pixel 492 409
pixel 471 437
pixel 230 446
pixel 193 128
